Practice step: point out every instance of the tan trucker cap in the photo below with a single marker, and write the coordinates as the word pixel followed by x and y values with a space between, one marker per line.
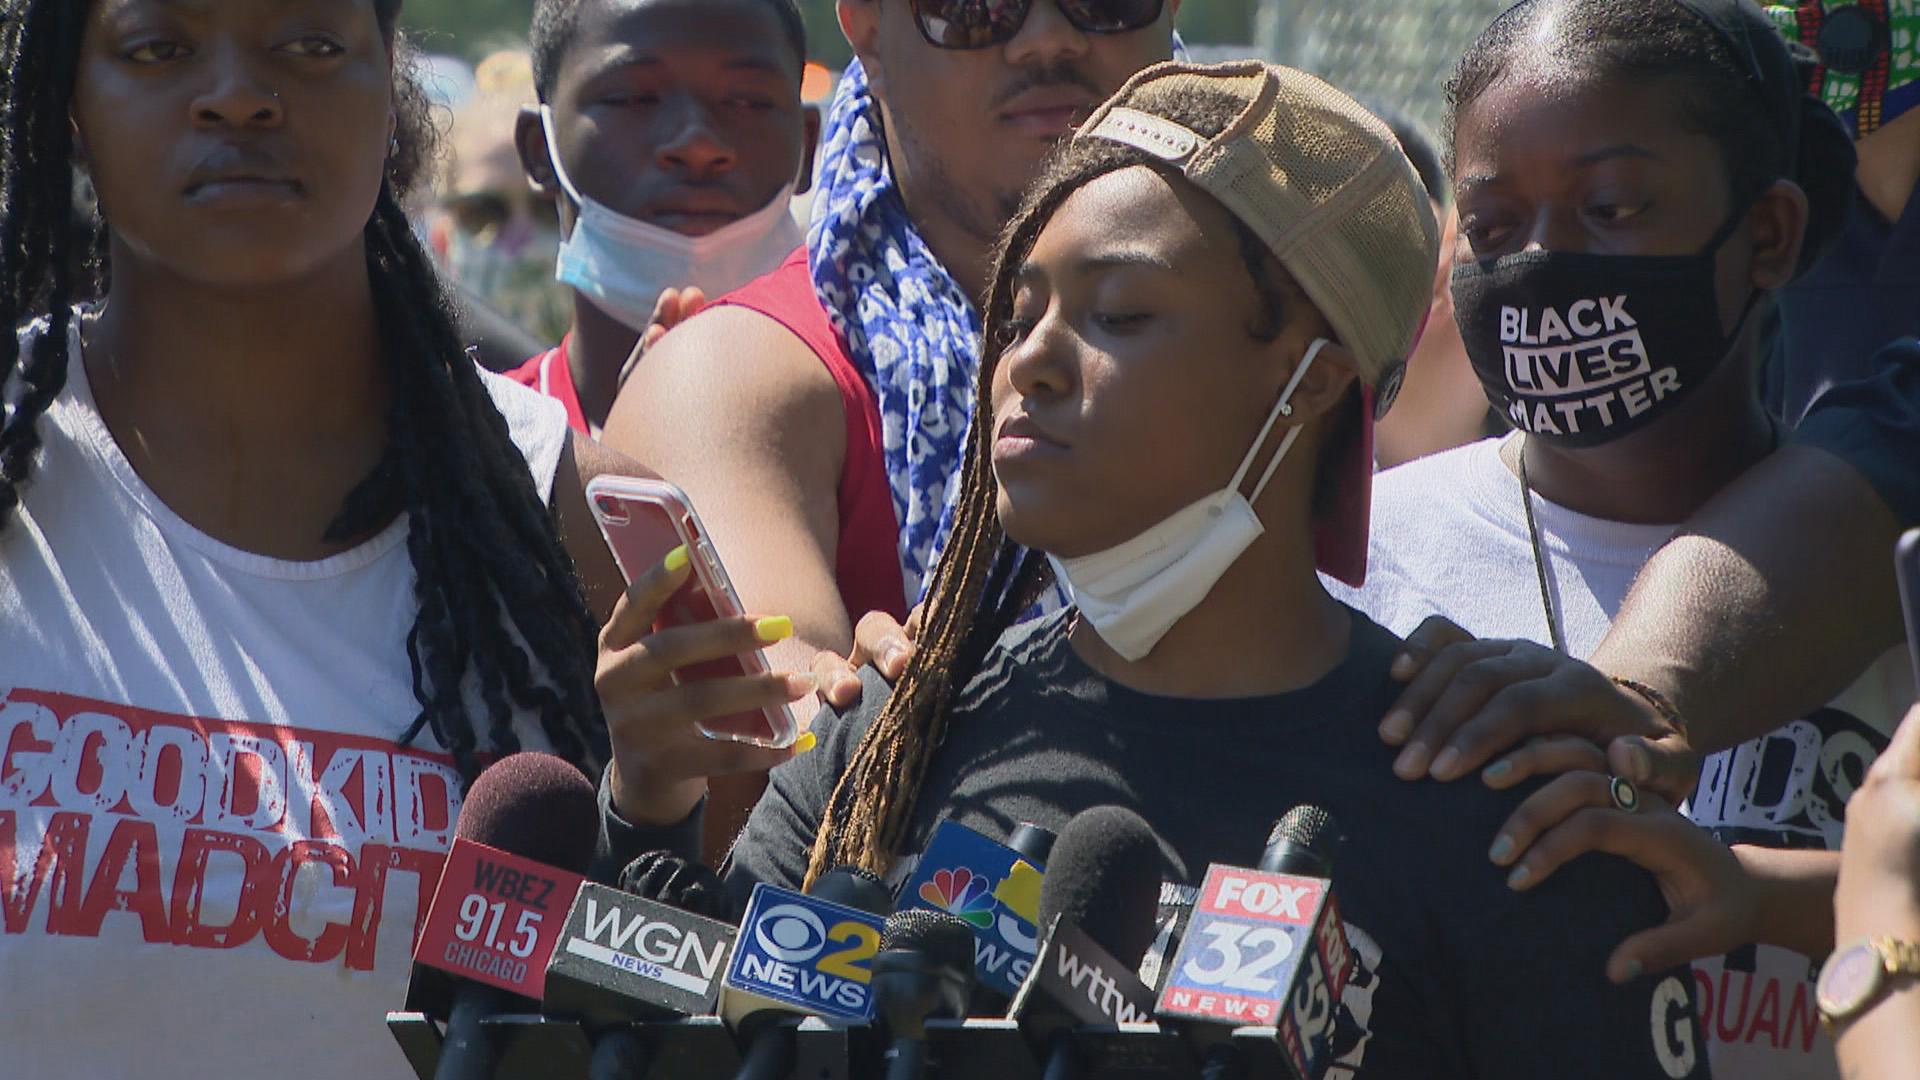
pixel 1325 184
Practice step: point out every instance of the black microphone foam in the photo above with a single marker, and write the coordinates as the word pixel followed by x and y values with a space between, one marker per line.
pixel 536 806
pixel 1302 842
pixel 924 969
pixel 1104 877
pixel 942 937
pixel 854 887
pixel 690 886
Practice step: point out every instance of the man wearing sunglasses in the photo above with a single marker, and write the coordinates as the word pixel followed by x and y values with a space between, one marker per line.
pixel 816 418
pixel 672 136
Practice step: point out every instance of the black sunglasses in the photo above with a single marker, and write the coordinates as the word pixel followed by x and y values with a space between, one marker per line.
pixel 981 24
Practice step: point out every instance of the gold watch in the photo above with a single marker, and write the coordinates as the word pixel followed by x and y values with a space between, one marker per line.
pixel 1853 978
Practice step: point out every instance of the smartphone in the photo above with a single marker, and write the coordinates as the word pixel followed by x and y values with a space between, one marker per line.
pixel 643 520
pixel 1906 567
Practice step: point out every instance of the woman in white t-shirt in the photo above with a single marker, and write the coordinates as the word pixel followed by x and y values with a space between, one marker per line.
pixel 279 565
pixel 1635 178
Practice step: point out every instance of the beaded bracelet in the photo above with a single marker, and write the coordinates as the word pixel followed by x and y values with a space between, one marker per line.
pixel 1654 698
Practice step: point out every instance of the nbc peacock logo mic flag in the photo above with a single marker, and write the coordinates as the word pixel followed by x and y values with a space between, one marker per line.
pixel 961 892
pixel 990 886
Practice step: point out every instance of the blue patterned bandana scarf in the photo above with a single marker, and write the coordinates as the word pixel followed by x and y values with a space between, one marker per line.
pixel 912 331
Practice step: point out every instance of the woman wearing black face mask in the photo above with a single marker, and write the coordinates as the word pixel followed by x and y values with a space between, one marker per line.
pixel 1630 191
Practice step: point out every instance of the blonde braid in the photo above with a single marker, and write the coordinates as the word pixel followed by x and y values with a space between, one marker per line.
pixel 867 816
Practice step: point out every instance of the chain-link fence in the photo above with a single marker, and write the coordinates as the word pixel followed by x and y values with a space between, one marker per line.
pixel 1396 54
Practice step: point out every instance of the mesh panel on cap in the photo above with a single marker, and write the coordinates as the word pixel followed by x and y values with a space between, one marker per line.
pixel 1315 139
pixel 1243 84
pixel 1322 181
pixel 1389 291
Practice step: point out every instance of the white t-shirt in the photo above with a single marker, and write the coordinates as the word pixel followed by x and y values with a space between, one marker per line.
pixel 1449 537
pixel 213 854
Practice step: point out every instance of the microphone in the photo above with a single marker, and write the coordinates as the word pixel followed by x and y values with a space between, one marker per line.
pixel 1265 948
pixel 924 970
pixel 1302 843
pixel 798 955
pixel 995 889
pixel 649 950
pixel 521 848
pixel 690 886
pixel 1097 905
pixel 639 953
pixel 1033 842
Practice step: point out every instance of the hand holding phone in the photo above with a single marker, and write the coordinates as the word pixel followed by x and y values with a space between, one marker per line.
pixel 644 523
pixel 680 671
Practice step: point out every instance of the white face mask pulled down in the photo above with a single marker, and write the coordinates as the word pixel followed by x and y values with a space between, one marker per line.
pixel 1134 593
pixel 622 264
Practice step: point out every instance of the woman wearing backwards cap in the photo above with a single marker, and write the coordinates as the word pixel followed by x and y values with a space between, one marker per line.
pixel 1187 329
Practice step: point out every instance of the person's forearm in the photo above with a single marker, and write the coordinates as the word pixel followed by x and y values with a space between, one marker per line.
pixel 813 634
pixel 621 840
pixel 1773 599
pixel 1794 894
pixel 1884 1042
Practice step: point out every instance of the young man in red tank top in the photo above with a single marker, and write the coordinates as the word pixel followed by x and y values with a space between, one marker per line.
pixel 785 456
pixel 667 131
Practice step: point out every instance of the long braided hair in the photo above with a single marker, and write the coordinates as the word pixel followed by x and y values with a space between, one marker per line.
pixel 984 581
pixel 502 620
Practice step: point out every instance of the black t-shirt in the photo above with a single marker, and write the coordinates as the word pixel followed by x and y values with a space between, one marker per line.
pixel 1831 320
pixel 1458 976
pixel 1873 424
pixel 1843 367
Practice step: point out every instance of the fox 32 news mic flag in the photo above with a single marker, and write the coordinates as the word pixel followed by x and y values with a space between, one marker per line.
pixel 994 888
pixel 1264 949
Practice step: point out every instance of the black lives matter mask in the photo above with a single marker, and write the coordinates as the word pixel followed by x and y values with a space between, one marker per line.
pixel 1584 349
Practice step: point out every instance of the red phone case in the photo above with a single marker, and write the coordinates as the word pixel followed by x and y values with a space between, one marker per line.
pixel 643 520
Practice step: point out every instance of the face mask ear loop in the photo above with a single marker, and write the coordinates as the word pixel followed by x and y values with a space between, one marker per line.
pixel 553 155
pixel 1280 408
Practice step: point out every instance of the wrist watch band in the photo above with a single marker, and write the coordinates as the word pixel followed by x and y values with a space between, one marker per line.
pixel 1855 977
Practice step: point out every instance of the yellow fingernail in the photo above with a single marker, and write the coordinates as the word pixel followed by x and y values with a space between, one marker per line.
pixel 677 559
pixel 773 628
pixel 805 742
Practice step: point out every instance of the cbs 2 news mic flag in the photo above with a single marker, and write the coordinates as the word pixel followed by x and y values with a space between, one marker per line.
pixel 990 886
pixel 495 918
pixel 624 957
pixel 1264 950
pixel 802 953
